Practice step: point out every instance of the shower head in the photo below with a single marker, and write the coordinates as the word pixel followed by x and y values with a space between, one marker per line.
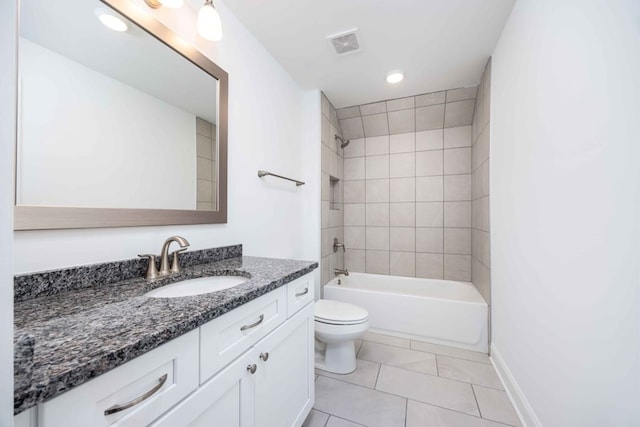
pixel 343 143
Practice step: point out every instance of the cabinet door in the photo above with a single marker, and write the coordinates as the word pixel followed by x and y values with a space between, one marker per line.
pixel 226 400
pixel 284 381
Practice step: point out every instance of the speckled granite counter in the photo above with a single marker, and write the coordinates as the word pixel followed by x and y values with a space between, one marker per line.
pixel 65 339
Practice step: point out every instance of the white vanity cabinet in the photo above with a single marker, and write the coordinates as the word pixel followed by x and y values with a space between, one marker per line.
pixel 251 367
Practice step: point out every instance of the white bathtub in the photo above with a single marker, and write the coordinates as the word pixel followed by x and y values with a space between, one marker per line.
pixel 438 311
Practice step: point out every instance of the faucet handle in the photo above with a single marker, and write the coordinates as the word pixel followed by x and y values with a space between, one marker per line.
pixel 152 269
pixel 175 264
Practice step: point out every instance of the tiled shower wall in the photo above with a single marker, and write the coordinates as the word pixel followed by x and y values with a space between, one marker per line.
pixel 480 251
pixel 207 187
pixel 332 171
pixel 407 185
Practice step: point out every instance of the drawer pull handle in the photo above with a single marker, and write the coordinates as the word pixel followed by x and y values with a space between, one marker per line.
pixel 306 291
pixel 252 368
pixel 264 356
pixel 253 325
pixel 119 408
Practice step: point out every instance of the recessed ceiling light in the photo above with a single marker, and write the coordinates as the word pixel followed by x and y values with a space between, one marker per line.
pixel 395 77
pixel 111 21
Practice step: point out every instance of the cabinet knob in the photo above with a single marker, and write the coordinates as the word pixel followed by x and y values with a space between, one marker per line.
pixel 252 368
pixel 264 356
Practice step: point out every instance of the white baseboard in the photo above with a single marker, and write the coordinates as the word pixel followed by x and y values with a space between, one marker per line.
pixel 524 410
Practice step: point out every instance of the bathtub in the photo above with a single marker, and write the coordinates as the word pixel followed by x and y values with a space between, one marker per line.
pixel 437 311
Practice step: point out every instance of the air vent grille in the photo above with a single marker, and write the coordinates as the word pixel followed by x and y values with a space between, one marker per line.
pixel 345 42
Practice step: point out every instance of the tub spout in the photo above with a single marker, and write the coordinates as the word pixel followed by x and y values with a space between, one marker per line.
pixel 339 271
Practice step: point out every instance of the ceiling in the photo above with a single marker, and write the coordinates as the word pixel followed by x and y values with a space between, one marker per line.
pixel 439 44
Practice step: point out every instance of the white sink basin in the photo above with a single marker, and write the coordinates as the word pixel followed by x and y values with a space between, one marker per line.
pixel 203 285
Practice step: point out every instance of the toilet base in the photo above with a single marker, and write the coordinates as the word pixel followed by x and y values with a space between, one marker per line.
pixel 339 358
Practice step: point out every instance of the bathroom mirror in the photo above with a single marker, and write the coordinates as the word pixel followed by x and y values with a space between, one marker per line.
pixel 115 128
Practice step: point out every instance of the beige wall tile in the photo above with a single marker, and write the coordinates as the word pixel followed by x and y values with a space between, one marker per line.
pixel 204 206
pixel 352 128
pixel 354 260
pixel 377 238
pixel 401 104
pixel 204 147
pixel 402 239
pixel 324 186
pixel 457 267
pixel 402 121
pixel 457 187
pixel 402 165
pixel 204 191
pixel 481 148
pixel 375 108
pixel 429 163
pixel 377 215
pixel 377 262
pixel 349 112
pixel 354 237
pixel 402 189
pixel 326 136
pixel 481 247
pixel 457 214
pixel 204 168
pixel 481 213
pixel 429 240
pixel 353 191
pixel 324 215
pixel 429 214
pixel 354 149
pixel 354 168
pixel 325 159
pixel 457 137
pixel 432 117
pixel 461 94
pixel 459 113
pixel 377 167
pixel 430 266
pixel 457 161
pixel 354 214
pixel 430 99
pixel 481 278
pixel 203 127
pixel 457 241
pixel 402 143
pixel 429 189
pixel 377 145
pixel 402 214
pixel 480 181
pixel 402 264
pixel 430 140
pixel 375 125
pixel 377 190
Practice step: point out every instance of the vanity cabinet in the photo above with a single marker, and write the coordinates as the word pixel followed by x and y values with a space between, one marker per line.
pixel 251 367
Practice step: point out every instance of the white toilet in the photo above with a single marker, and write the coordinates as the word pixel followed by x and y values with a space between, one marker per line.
pixel 337 326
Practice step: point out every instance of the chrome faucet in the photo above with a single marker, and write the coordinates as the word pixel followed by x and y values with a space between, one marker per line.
pixel 165 270
pixel 339 271
pixel 337 244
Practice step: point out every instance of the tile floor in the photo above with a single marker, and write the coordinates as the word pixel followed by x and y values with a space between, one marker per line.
pixel 405 383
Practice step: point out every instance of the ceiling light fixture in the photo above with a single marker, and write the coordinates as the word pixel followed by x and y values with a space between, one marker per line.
pixel 395 77
pixel 209 23
pixel 111 21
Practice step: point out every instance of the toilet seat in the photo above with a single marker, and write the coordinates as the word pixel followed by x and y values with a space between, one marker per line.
pixel 339 313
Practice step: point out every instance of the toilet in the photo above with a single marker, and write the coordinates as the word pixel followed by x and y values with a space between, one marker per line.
pixel 337 326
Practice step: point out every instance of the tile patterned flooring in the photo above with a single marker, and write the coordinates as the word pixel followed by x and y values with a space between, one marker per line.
pixel 405 383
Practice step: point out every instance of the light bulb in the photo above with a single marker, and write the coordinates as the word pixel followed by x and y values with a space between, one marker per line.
pixel 209 24
pixel 395 77
pixel 111 21
pixel 174 4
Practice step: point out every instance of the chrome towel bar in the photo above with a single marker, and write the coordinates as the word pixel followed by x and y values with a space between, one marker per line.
pixel 265 173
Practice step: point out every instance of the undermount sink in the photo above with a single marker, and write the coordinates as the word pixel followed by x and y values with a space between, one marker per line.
pixel 203 285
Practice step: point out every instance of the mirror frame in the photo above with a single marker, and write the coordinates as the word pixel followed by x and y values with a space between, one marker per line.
pixel 28 217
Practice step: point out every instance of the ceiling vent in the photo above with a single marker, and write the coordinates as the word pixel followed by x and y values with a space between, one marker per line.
pixel 345 42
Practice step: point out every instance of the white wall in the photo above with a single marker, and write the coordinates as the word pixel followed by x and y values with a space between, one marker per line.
pixel 267 117
pixel 565 210
pixel 8 16
pixel 86 139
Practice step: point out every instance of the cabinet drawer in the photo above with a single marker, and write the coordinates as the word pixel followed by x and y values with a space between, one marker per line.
pixel 163 376
pixel 227 337
pixel 299 293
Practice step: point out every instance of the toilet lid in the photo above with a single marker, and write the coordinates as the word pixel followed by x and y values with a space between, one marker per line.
pixel 336 312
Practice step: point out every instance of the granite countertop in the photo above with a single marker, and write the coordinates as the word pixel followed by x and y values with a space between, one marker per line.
pixel 68 338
